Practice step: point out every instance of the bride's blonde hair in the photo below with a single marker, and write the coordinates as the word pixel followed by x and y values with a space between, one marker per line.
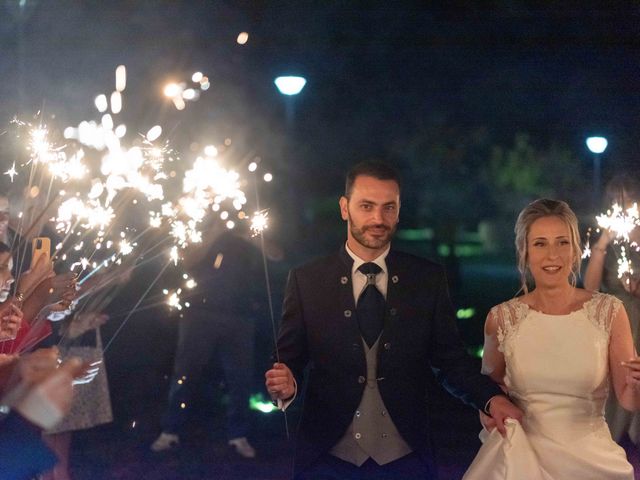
pixel 537 209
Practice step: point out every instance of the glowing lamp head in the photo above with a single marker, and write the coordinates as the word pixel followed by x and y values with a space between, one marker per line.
pixel 172 90
pixel 597 145
pixel 290 85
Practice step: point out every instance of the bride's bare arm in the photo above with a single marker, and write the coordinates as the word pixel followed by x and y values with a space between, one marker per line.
pixel 624 363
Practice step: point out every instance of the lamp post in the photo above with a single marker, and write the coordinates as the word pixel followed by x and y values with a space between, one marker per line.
pixel 290 86
pixel 596 145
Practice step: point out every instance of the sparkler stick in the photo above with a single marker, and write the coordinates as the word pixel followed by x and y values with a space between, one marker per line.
pixel 142 297
pixel 267 280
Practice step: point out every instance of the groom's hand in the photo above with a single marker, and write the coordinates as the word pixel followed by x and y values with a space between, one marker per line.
pixel 501 408
pixel 280 383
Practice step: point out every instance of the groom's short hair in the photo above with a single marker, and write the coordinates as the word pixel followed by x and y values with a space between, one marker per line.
pixel 369 168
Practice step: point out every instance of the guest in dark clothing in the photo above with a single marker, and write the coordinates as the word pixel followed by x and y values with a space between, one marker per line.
pixel 218 326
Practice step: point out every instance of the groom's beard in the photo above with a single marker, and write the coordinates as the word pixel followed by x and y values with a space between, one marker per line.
pixel 364 238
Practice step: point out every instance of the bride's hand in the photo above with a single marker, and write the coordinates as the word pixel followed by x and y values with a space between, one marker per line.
pixel 487 422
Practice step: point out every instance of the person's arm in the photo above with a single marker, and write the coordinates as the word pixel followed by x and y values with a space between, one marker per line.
pixel 493 364
pixel 457 373
pixel 57 291
pixel 624 364
pixel 29 280
pixel 595 267
pixel 283 378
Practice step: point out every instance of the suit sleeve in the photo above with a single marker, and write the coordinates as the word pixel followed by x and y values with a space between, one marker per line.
pixel 292 339
pixel 454 368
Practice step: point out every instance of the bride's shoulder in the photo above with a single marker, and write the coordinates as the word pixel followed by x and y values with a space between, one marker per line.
pixel 601 308
pixel 508 312
pixel 591 298
pixel 511 305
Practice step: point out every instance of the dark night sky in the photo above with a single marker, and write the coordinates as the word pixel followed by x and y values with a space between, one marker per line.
pixel 377 73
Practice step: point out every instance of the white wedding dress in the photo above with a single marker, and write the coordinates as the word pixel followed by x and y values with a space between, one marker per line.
pixel 557 371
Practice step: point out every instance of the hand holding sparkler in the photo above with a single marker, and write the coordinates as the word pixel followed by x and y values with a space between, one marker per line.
pixel 62 291
pixel 280 382
pixel 10 320
pixel 35 366
pixel 606 237
pixel 84 321
pixel 633 372
pixel 55 293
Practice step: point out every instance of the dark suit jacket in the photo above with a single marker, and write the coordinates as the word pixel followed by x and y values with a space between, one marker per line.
pixel 420 338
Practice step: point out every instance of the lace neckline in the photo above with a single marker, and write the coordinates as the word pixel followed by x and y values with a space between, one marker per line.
pixel 584 307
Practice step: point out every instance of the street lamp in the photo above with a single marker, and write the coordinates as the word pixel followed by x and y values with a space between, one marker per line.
pixel 596 145
pixel 290 86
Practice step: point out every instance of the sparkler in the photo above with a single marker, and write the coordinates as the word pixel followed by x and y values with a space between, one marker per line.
pixel 107 173
pixel 620 222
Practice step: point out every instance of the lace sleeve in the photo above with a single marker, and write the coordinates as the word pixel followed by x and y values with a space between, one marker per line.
pixel 602 309
pixel 506 315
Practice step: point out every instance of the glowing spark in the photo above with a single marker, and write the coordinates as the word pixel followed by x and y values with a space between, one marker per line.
pixel 12 172
pixel 154 133
pixel 121 78
pixel 259 222
pixel 173 255
pixel 116 102
pixel 125 247
pixel 173 300
pixel 242 38
pixel 101 103
pixel 619 221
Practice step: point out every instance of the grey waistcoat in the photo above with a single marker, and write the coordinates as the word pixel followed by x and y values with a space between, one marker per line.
pixel 372 433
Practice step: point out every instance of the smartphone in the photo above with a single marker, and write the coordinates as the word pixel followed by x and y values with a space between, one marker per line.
pixel 40 246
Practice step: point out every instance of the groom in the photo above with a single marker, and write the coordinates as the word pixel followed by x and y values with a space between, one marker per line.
pixel 373 324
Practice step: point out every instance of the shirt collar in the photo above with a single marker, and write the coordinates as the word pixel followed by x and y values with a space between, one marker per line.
pixel 380 260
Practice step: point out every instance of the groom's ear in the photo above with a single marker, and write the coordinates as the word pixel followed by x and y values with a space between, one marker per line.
pixel 344 207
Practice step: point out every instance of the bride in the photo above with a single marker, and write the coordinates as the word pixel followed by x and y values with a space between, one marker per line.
pixel 556 350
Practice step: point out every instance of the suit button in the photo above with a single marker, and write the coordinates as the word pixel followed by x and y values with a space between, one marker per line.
pixel 361 379
pixel 358 436
pixel 347 313
pixel 384 435
pixel 358 413
pixel 387 346
pixel 393 311
pixel 384 413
